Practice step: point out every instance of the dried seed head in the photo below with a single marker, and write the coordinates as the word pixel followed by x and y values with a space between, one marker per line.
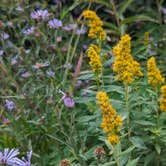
pixel 64 162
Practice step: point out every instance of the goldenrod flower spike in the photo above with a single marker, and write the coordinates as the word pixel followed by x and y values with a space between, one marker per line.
pixel 95 24
pixel 111 121
pixel 154 75
pixel 163 99
pixel 125 66
pixel 93 55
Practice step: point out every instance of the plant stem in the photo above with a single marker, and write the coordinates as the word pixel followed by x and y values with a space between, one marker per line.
pixel 128 110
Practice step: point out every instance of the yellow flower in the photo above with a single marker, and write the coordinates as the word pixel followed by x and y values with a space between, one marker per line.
pixel 154 75
pixel 95 25
pixel 125 66
pixel 95 62
pixel 163 98
pixel 111 121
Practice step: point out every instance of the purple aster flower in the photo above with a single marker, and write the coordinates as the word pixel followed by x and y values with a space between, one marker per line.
pixel 29 31
pixel 1 52
pixel 40 14
pixel 59 39
pixel 50 73
pixel 70 27
pixel 55 23
pixel 27 51
pixel 68 101
pixel 23 161
pixel 9 157
pixel 40 65
pixel 9 105
pixel 9 23
pixel 19 8
pixel 80 31
pixel 4 36
pixel 6 121
pixel 68 65
pixel 25 74
pixel 14 61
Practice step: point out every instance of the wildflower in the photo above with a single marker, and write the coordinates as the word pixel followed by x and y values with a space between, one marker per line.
pixel 41 65
pixel 10 105
pixel 99 152
pixel 29 31
pixel 25 74
pixel 95 23
pixel 154 75
pixel 59 39
pixel 68 100
pixel 80 31
pixel 40 14
pixel 23 161
pixel 95 62
pixel 68 65
pixel 19 8
pixel 70 27
pixel 163 98
pixel 55 23
pixel 4 36
pixel 14 61
pixel 9 156
pixel 111 121
pixel 9 23
pixel 1 52
pixel 50 73
pixel 125 66
pixel 64 162
pixel 6 121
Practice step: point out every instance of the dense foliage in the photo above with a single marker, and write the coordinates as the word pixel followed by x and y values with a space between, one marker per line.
pixel 82 82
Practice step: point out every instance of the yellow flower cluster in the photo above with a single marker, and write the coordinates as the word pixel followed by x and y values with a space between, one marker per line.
pixel 111 121
pixel 154 75
pixel 163 99
pixel 95 23
pixel 95 62
pixel 126 67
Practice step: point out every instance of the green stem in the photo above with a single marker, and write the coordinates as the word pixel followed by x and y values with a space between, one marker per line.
pixel 67 60
pixel 116 156
pixel 128 110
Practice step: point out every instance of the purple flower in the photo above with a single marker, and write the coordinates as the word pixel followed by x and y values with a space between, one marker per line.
pixel 9 23
pixel 55 23
pixel 40 65
pixel 59 39
pixel 9 157
pixel 1 52
pixel 9 105
pixel 6 121
pixel 4 36
pixel 29 31
pixel 68 65
pixel 23 161
pixel 50 73
pixel 70 27
pixel 68 101
pixel 25 74
pixel 80 31
pixel 19 8
pixel 40 14
pixel 27 51
pixel 14 61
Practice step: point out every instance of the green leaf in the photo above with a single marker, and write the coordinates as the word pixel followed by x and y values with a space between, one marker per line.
pixel 133 162
pixel 109 163
pixel 127 151
pixel 158 148
pixel 138 18
pixel 138 142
